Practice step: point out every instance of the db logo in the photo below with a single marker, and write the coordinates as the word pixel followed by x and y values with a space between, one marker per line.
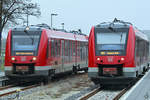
pixel 110 59
pixel 23 58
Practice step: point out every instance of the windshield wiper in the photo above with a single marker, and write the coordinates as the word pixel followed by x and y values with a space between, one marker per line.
pixel 120 38
pixel 110 28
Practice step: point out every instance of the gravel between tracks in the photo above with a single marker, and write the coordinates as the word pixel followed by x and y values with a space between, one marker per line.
pixel 64 89
pixel 104 95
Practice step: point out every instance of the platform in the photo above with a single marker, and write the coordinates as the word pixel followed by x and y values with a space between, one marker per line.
pixel 2 74
pixel 140 91
pixel 2 78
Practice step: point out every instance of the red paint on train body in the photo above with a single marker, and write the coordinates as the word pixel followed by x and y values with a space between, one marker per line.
pixel 116 47
pixel 44 52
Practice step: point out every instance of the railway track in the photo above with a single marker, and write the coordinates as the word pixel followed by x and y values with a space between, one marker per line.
pixel 117 97
pixel 92 93
pixel 14 89
pixel 11 89
pixel 101 94
pixel 105 94
pixel 114 95
pixel 6 87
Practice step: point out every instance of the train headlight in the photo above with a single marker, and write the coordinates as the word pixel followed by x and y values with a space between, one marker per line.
pixel 13 58
pixel 34 58
pixel 98 58
pixel 122 59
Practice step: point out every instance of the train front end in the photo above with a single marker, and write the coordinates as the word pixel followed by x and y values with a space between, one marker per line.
pixel 111 54
pixel 22 55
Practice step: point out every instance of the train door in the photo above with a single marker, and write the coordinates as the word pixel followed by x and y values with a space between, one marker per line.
pixel 62 54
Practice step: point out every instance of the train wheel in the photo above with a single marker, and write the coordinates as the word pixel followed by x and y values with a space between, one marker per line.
pixel 95 81
pixel 144 70
pixel 46 79
pixel 86 70
pixel 137 74
pixel 75 70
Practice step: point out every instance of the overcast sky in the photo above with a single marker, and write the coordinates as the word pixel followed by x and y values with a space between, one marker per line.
pixel 86 13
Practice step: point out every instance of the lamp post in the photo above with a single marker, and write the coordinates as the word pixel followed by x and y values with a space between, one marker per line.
pixel 62 25
pixel 52 14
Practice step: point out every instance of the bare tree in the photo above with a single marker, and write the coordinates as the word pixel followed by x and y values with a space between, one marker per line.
pixel 11 11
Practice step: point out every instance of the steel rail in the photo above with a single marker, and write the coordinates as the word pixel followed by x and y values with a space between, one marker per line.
pixel 127 88
pixel 15 91
pixel 6 87
pixel 121 93
pixel 95 91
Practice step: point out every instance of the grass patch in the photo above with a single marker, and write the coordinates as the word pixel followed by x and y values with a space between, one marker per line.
pixel 2 68
pixel 2 64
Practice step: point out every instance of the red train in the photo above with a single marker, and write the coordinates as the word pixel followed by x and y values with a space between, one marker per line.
pixel 42 53
pixel 118 53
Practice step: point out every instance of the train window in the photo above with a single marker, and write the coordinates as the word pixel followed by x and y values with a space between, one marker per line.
pixel 74 48
pixel 58 47
pixel 78 48
pixel 47 55
pixel 55 47
pixel 62 48
pixel 84 51
pixel 66 50
pixel 136 45
pixel 81 51
pixel 86 44
pixel 52 48
pixel 70 50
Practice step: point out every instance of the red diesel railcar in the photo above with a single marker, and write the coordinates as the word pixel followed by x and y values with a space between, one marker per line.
pixel 118 53
pixel 40 52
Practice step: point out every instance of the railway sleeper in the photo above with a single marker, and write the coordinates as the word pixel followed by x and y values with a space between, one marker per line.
pixel 75 69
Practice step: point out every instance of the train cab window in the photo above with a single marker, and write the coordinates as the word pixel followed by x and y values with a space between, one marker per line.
pixel 111 42
pixel 25 43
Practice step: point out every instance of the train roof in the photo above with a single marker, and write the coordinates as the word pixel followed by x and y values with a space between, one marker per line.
pixel 121 24
pixel 32 27
pixel 25 28
pixel 59 35
pixel 55 33
pixel 65 35
pixel 114 24
pixel 141 34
